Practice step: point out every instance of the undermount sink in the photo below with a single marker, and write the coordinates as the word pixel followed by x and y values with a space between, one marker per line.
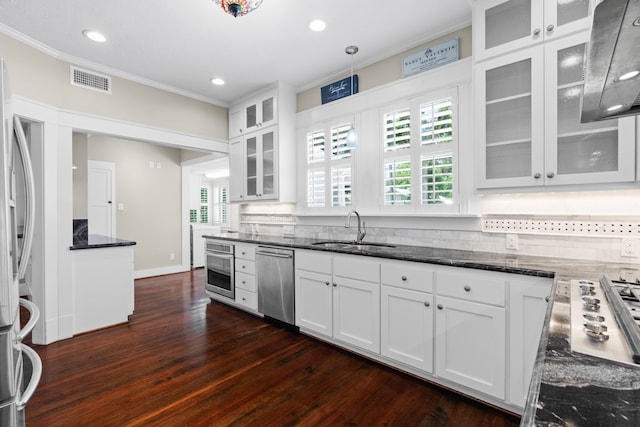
pixel 352 245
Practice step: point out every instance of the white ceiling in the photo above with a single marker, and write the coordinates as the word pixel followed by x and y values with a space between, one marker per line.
pixel 179 45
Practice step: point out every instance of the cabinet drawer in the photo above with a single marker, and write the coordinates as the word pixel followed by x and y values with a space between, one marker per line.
pixel 246 281
pixel 244 266
pixel 313 261
pixel 477 287
pixel 408 275
pixel 354 267
pixel 247 252
pixel 246 298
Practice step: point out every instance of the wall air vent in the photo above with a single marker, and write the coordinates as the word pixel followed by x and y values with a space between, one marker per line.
pixel 90 80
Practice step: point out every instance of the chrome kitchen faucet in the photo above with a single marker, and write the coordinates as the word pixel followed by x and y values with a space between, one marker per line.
pixel 362 231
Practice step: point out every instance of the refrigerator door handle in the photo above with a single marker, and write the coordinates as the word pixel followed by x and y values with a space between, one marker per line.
pixel 34 315
pixel 30 197
pixel 36 373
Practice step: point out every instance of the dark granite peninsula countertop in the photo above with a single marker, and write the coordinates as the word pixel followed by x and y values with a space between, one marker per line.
pixel 567 388
pixel 95 241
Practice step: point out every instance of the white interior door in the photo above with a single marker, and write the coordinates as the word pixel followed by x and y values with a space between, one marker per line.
pixel 101 185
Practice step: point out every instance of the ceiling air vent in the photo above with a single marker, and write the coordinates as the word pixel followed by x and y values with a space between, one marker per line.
pixel 90 80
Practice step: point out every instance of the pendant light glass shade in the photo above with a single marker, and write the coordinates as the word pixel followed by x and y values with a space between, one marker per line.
pixel 238 7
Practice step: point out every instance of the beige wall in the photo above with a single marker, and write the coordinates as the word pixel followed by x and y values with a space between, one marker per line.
pixel 43 78
pixel 151 197
pixel 382 72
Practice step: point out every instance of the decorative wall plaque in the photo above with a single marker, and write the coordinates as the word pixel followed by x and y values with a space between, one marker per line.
pixel 339 89
pixel 431 57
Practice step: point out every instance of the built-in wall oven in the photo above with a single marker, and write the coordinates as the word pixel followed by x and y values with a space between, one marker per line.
pixel 220 267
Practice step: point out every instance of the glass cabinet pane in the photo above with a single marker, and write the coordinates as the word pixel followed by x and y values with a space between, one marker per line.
pixel 252 115
pixel 267 163
pixel 267 110
pixel 508 80
pixel 582 147
pixel 568 11
pixel 509 160
pixel 507 22
pixel 252 166
pixel 509 121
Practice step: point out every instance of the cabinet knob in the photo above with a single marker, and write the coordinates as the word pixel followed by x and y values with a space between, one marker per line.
pixel 335 284
pixel 244 299
pixel 427 303
pixel 546 299
pixel 440 307
pixel 550 28
pixel 244 283
pixel 326 283
pixel 467 288
pixel 243 266
pixel 537 175
pixel 536 32
pixel 550 174
pixel 404 278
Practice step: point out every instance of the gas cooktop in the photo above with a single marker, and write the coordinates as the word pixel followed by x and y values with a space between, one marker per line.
pixel 605 319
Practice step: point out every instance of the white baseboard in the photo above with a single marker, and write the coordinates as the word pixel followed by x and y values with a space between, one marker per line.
pixel 160 271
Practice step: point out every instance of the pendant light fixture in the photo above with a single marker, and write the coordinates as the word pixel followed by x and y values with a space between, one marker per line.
pixel 352 134
pixel 238 7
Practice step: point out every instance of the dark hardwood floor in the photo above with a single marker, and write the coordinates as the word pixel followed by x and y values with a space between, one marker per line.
pixel 182 361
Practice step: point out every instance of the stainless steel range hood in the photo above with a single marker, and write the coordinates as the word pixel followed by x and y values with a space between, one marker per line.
pixel 612 79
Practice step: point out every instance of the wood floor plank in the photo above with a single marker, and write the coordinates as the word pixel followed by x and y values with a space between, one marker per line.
pixel 184 361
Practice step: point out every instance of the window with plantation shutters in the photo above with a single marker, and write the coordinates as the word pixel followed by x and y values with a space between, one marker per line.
pixel 328 167
pixel 220 204
pixel 419 149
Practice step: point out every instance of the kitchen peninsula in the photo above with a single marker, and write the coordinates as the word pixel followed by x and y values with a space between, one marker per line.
pixel 102 276
pixel 566 388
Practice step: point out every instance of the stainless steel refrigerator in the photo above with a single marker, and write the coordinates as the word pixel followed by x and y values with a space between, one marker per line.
pixel 17 200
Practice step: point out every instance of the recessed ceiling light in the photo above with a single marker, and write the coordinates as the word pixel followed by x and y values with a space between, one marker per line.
pixel 629 75
pixel 614 107
pixel 317 25
pixel 95 36
pixel 217 81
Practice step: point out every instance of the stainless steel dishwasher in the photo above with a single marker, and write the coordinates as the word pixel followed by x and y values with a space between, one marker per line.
pixel 276 292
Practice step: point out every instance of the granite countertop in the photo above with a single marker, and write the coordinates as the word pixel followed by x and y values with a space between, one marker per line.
pixel 95 241
pixel 567 388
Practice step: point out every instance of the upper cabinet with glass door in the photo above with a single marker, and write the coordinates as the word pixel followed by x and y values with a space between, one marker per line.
pixel 502 26
pixel 528 125
pixel 253 114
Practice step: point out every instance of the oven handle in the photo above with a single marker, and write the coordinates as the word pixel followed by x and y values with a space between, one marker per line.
pixel 220 255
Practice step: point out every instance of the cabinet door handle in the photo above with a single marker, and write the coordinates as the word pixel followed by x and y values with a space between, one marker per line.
pixel 467 288
pixel 537 175
pixel 440 307
pixel 404 278
pixel 536 32
pixel 550 28
pixel 427 303
pixel 550 174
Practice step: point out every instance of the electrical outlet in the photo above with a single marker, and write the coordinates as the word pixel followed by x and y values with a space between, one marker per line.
pixel 512 241
pixel 630 248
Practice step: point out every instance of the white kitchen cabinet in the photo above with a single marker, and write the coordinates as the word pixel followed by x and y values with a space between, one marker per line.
pixel 339 297
pixel 528 126
pixel 406 313
pixel 258 111
pixel 502 26
pixel 406 322
pixel 528 301
pixel 262 147
pixel 245 276
pixel 470 343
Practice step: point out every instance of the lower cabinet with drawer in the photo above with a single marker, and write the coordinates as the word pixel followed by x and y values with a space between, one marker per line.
pixel 245 276
pixel 339 297
pixel 471 330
